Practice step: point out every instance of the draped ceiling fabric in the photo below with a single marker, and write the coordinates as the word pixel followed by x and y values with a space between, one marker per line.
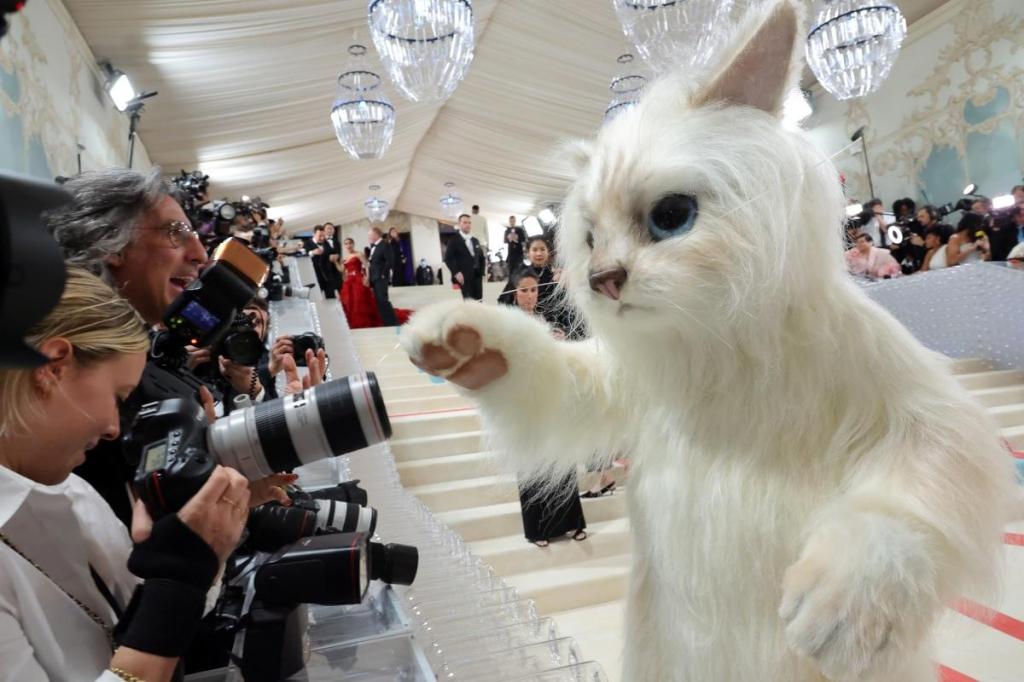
pixel 246 88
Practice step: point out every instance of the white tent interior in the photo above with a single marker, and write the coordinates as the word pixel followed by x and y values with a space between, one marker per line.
pixel 246 88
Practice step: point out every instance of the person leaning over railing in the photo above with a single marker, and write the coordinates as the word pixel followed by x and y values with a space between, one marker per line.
pixel 77 600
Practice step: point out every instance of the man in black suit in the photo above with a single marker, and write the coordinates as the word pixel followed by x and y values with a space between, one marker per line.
pixel 381 263
pixel 515 240
pixel 465 258
pixel 325 258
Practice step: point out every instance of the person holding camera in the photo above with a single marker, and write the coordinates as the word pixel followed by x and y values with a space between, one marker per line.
pixel 129 228
pixel 77 600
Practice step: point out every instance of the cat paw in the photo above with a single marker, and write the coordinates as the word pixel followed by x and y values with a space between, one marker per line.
pixel 853 612
pixel 463 342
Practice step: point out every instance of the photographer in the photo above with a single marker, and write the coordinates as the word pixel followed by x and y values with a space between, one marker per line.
pixel 1007 229
pixel 129 229
pixel 68 596
pixel 254 380
pixel 257 380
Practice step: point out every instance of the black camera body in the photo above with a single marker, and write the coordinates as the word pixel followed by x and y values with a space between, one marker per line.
pixel 303 342
pixel 168 439
pixel 241 343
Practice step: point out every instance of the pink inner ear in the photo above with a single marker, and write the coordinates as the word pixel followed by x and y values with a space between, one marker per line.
pixel 759 74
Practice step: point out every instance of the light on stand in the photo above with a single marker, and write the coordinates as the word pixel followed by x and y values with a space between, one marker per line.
pixel 1002 201
pixel 532 226
pixel 547 218
pixel 854 210
pixel 121 90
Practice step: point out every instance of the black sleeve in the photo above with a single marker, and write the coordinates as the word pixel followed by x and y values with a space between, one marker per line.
pixel 164 613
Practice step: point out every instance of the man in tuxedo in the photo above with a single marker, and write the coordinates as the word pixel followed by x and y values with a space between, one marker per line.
pixel 382 261
pixel 325 259
pixel 515 240
pixel 465 258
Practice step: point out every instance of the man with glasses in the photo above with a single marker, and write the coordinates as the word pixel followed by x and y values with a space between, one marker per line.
pixel 129 228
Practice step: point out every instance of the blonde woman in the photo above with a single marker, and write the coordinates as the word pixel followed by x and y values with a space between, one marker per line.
pixel 77 601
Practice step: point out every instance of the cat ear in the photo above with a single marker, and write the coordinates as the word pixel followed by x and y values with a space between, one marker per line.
pixel 761 71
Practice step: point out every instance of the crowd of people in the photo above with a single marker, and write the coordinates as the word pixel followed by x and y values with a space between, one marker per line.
pixel 915 239
pixel 93 587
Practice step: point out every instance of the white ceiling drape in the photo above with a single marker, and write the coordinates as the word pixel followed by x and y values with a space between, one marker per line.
pixel 246 88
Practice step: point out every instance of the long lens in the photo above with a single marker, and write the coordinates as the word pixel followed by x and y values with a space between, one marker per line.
pixel 324 421
pixel 272 526
pixel 347 517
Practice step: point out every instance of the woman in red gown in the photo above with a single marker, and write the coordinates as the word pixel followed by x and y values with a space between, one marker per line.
pixel 357 298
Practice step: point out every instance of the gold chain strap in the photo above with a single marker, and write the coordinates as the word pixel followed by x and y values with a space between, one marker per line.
pixel 125 675
pixel 89 612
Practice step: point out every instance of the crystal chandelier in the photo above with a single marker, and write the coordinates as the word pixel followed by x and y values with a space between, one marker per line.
pixel 626 87
pixel 451 203
pixel 376 209
pixel 670 34
pixel 854 44
pixel 426 45
pixel 363 117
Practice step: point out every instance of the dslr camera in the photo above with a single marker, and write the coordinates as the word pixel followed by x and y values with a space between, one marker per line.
pixel 177 450
pixel 303 342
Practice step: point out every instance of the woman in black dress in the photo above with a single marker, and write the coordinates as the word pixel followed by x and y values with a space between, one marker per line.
pixel 558 510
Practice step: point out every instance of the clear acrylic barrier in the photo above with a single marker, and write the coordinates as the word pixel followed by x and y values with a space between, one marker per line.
pixel 533 658
pixel 590 671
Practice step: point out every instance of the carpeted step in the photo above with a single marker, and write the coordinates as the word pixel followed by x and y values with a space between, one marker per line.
pixel 471 492
pixel 969 365
pixel 481 523
pixel 990 379
pixel 425 390
pixel 1004 395
pixel 1008 415
pixel 435 424
pixel 584 583
pixel 513 554
pixel 448 468
pixel 407 407
pixel 598 629
pixel 429 447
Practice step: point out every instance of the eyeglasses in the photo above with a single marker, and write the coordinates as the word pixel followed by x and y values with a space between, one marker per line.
pixel 178 232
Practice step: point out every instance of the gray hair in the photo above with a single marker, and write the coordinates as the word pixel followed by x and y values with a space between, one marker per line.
pixel 106 206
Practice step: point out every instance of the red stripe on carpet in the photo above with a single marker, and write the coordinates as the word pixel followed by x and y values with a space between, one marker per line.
pixel 1014 539
pixel 1008 625
pixel 950 675
pixel 419 414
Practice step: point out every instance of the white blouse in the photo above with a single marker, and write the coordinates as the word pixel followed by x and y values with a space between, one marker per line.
pixel 65 528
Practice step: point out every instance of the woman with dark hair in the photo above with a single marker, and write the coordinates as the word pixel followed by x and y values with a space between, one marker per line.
pixel 964 246
pixel 549 510
pixel 539 253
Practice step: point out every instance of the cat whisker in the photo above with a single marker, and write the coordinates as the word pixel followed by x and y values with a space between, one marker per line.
pixel 699 322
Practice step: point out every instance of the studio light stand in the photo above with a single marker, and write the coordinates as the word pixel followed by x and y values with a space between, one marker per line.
pixel 859 135
pixel 134 111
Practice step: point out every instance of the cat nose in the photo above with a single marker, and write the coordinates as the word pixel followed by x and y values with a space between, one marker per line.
pixel 608 281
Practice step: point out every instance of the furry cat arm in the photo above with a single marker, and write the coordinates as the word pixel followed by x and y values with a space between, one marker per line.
pixel 547 404
pixel 882 560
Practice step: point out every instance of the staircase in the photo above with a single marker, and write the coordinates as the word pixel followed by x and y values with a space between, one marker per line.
pixel 437 444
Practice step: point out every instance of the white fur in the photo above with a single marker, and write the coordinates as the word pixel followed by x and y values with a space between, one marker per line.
pixel 810 486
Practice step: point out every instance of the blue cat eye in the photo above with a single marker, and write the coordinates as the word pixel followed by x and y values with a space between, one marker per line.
pixel 672 216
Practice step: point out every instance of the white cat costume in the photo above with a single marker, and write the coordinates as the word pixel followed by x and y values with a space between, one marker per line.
pixel 803 504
